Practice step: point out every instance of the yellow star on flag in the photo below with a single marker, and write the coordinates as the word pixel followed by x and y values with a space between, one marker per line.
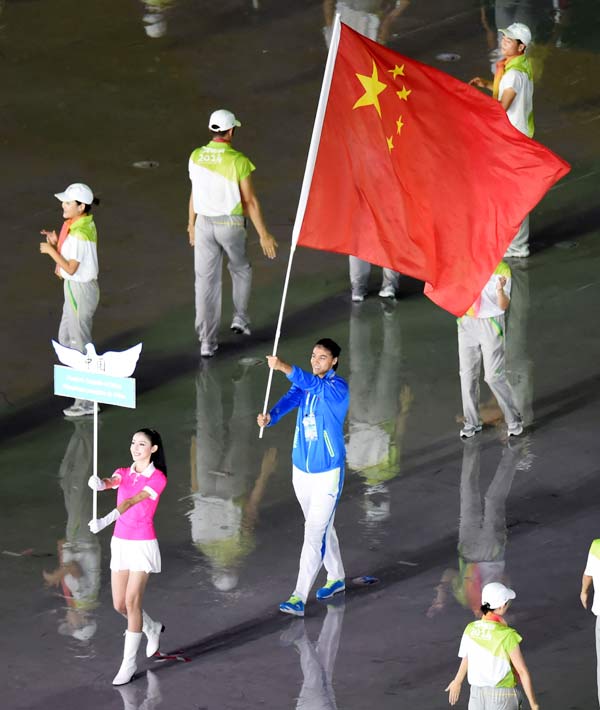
pixel 399 124
pixel 404 93
pixel 390 142
pixel 373 87
pixel 396 71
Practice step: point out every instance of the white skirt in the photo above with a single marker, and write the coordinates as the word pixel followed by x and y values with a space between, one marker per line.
pixel 134 555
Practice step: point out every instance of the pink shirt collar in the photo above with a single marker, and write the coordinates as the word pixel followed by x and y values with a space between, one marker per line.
pixel 147 472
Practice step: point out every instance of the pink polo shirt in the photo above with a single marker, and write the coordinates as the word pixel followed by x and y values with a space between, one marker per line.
pixel 137 522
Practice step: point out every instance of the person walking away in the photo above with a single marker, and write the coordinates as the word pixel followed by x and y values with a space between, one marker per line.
pixel 222 194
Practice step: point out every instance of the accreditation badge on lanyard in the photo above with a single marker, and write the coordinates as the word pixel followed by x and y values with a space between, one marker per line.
pixel 310 427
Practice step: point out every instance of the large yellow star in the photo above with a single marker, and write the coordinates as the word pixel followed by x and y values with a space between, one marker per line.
pixel 399 124
pixel 396 71
pixel 390 142
pixel 373 87
pixel 404 93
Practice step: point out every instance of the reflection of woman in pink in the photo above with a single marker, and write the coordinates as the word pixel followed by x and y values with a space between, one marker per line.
pixel 134 547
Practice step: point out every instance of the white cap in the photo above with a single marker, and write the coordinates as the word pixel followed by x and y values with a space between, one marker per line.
pixel 496 595
pixel 518 31
pixel 222 120
pixel 77 191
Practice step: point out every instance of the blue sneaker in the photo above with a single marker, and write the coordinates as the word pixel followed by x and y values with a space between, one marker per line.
pixel 332 586
pixel 294 606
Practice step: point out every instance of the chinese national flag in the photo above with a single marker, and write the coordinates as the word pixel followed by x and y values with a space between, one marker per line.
pixel 419 172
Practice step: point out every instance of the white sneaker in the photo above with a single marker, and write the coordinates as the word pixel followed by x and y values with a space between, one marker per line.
pixel 357 297
pixel 238 326
pixel 469 430
pixel 515 429
pixel 387 292
pixel 208 350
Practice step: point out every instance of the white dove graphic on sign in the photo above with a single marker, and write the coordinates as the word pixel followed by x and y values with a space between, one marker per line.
pixel 117 364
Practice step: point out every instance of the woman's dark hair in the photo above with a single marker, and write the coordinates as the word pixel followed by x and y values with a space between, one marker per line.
pixel 88 208
pixel 485 608
pixel 332 346
pixel 158 456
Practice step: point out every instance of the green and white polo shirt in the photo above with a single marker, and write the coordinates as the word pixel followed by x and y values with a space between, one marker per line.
pixel 592 569
pixel 81 245
pixel 216 171
pixel 487 645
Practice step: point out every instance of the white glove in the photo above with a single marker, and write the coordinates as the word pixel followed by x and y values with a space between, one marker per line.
pixel 98 524
pixel 96 484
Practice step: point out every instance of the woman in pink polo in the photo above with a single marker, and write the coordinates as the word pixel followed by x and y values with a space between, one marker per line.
pixel 134 547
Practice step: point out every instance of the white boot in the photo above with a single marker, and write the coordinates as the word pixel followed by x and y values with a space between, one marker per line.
pixel 153 630
pixel 128 667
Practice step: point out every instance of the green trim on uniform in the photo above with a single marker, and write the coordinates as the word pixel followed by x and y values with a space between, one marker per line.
pixel 497 327
pixel 84 229
pixel 595 549
pixel 72 297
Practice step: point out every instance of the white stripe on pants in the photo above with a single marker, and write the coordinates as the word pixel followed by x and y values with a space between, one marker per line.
pixel 479 338
pixel 494 698
pixel 213 236
pixel 318 495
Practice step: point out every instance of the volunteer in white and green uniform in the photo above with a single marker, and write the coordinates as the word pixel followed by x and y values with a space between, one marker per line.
pixel 491 658
pixel 513 87
pixel 222 193
pixel 481 337
pixel 75 253
pixel 591 578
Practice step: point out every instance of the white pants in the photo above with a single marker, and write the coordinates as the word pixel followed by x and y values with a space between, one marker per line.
pixel 359 276
pixel 213 237
pixel 483 338
pixel 318 494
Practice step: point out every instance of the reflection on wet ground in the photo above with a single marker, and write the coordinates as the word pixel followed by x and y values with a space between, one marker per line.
pixel 433 518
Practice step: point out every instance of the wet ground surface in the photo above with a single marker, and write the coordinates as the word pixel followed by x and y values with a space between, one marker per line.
pixel 89 93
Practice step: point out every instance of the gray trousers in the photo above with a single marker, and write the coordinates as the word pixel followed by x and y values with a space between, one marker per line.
pixel 81 301
pixel 494 698
pixel 483 338
pixel 520 243
pixel 215 236
pixel 359 276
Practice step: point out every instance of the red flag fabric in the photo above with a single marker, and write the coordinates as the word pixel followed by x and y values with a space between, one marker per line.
pixel 419 172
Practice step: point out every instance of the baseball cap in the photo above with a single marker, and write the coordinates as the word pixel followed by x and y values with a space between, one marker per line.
pixel 222 120
pixel 496 595
pixel 77 191
pixel 518 31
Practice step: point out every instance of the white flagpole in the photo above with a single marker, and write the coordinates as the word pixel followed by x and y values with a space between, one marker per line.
pixel 95 457
pixel 306 183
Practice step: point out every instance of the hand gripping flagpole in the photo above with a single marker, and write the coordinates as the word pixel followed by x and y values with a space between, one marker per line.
pixel 306 183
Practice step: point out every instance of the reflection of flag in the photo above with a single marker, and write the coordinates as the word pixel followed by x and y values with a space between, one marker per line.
pixel 420 172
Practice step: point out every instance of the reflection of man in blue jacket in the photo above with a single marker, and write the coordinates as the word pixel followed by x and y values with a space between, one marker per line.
pixel 318 457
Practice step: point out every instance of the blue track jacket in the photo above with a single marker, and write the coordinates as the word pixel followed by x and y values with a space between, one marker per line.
pixel 328 399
